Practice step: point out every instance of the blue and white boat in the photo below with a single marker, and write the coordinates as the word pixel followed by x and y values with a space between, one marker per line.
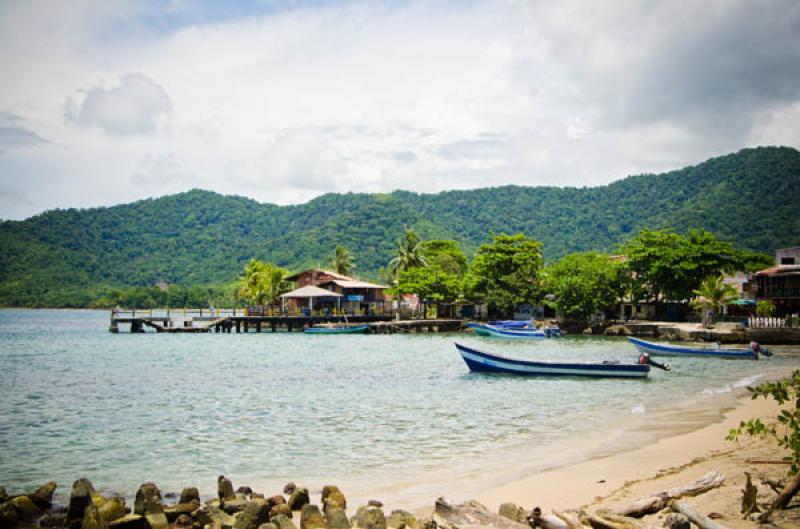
pixel 498 331
pixel 662 349
pixel 483 362
pixel 355 329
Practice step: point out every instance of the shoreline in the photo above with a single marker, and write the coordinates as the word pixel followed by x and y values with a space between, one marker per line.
pixel 668 462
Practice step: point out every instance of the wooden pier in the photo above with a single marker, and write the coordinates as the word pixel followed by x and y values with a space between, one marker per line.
pixel 229 321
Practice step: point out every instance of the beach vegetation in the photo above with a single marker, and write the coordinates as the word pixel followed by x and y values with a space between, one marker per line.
pixel 342 262
pixel 765 308
pixel 408 253
pixel 262 283
pixel 713 295
pixel 582 284
pixel 440 278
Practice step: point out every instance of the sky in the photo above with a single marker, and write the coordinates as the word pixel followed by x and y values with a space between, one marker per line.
pixel 106 102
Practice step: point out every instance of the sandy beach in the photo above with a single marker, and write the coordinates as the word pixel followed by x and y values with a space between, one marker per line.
pixel 667 463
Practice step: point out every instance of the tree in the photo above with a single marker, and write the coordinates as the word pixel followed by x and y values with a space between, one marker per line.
pixel 669 266
pixel 506 272
pixel 408 253
pixel 585 283
pixel 713 294
pixel 342 262
pixel 262 283
pixel 440 279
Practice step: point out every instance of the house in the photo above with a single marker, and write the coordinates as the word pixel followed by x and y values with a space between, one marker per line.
pixel 326 291
pixel 781 283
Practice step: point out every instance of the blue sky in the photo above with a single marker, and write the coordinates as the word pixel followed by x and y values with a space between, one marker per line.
pixel 108 102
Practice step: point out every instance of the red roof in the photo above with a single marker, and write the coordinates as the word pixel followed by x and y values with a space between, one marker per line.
pixel 785 270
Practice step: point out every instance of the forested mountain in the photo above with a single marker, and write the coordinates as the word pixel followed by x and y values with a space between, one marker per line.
pixel 751 198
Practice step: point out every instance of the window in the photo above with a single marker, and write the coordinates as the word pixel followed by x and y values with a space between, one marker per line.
pixel 787 260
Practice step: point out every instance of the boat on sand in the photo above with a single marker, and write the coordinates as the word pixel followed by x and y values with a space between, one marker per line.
pixel 751 352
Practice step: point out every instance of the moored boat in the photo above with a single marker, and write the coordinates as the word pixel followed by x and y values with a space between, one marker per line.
pixel 662 349
pixel 355 329
pixel 483 362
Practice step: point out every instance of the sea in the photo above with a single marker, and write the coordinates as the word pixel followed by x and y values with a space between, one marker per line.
pixel 397 418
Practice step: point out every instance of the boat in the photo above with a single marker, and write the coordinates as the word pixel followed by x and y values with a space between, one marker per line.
pixel 503 331
pixel 511 324
pixel 355 329
pixel 662 349
pixel 483 362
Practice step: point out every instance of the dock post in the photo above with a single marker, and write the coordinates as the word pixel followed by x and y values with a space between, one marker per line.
pixel 258 326
pixel 113 327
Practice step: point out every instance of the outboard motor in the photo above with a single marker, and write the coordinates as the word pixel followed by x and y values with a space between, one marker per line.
pixel 756 348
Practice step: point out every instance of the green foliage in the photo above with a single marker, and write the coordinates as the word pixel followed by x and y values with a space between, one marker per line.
pixel 442 276
pixel 506 272
pixel 713 294
pixel 342 262
pixel 765 307
pixel 785 430
pixel 72 257
pixel 408 253
pixel 262 283
pixel 667 265
pixel 585 283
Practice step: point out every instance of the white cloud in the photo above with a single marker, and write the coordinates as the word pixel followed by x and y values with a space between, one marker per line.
pixel 134 106
pixel 373 96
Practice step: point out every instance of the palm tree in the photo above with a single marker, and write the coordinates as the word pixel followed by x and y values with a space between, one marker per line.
pixel 262 283
pixel 409 253
pixel 342 261
pixel 712 295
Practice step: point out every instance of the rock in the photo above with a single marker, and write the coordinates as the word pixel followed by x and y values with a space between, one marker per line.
pixel 298 498
pixel 269 525
pixel 401 520
pixel 53 519
pixel 156 520
pixel 276 500
pixel 472 514
pixel 184 520
pixel 281 508
pixel 129 521
pixel 225 489
pixel 311 517
pixel 80 497
pixel 3 494
pixel 8 515
pixel 173 512
pixel 512 512
pixel 375 503
pixel 233 506
pixel 257 495
pixel 213 516
pixel 333 500
pixel 289 487
pixel 91 518
pixel 113 509
pixel 327 490
pixel 336 518
pixel 676 521
pixel 369 517
pixel 43 497
pixel 244 490
pixel 148 499
pixel 25 508
pixel 253 515
pixel 283 522
pixel 188 494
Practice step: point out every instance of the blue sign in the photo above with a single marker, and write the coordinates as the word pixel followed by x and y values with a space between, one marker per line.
pixel 355 297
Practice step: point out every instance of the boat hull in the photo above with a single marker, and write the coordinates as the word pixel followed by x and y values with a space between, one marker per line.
pixel 483 362
pixel 357 329
pixel 658 349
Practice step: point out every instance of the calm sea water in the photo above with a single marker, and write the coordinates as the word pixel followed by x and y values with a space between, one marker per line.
pixel 397 417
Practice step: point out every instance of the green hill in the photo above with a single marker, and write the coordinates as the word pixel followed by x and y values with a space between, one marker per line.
pixel 751 198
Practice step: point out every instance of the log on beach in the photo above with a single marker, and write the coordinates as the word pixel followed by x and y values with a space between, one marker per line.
pixel 656 502
pixel 700 520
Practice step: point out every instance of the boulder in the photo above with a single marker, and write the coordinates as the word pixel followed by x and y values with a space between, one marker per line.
pixel 244 490
pixel 156 520
pixel 213 516
pixel 311 517
pixel 281 508
pixel 369 517
pixel 334 500
pixel 80 497
pixel 225 489
pixel 289 487
pixel 233 506
pixel 336 518
pixel 43 497
pixel 91 518
pixel 298 498
pixel 401 520
pixel 8 516
pixel 148 500
pixel 184 520
pixel 129 521
pixel 676 521
pixel 276 500
pixel 3 494
pixel 25 508
pixel 327 490
pixel 375 503
pixel 512 512
pixel 112 509
pixel 283 522
pixel 53 519
pixel 188 494
pixel 173 512
pixel 253 515
pixel 269 525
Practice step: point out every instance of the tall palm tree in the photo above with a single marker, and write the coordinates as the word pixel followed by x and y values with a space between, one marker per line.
pixel 409 253
pixel 342 261
pixel 262 283
pixel 712 295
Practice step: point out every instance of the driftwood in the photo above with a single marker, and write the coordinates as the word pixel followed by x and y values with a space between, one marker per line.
pixel 473 515
pixel 656 502
pixel 607 520
pixel 572 523
pixel 700 520
pixel 749 497
pixel 788 492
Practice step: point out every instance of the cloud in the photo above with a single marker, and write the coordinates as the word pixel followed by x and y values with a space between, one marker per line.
pixel 162 171
pixel 13 134
pixel 133 107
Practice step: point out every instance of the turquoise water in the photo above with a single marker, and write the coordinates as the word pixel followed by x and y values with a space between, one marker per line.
pixel 391 416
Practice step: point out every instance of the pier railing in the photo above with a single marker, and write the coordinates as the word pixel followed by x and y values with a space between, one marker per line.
pixel 188 313
pixel 774 322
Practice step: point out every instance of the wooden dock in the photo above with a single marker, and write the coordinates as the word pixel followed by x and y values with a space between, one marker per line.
pixel 216 321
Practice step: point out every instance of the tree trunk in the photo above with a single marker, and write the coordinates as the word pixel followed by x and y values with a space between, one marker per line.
pixel 656 502
pixel 783 499
pixel 700 520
